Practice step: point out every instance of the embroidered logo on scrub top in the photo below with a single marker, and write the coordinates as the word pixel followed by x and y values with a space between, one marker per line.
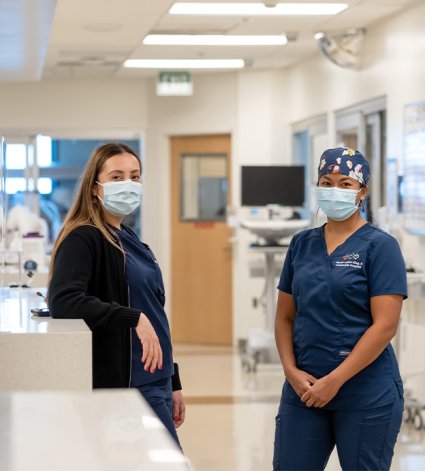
pixel 349 260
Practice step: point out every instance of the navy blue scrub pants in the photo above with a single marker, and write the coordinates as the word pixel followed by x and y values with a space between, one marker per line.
pixel 159 395
pixel 365 439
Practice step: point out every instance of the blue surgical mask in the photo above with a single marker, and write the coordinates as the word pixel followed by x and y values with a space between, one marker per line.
pixel 121 198
pixel 337 203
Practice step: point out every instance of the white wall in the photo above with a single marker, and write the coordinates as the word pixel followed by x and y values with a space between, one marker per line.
pixel 82 106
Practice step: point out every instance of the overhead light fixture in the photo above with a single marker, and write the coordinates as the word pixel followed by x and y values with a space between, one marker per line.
pixel 179 64
pixel 214 40
pixel 248 9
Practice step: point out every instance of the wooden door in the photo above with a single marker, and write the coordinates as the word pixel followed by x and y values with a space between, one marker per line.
pixel 201 251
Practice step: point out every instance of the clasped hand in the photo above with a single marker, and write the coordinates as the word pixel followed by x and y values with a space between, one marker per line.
pixel 152 352
pixel 312 391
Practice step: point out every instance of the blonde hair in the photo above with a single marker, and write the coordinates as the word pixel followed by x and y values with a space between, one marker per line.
pixel 86 210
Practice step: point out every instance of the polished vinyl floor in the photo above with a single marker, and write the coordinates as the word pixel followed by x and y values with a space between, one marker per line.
pixel 230 414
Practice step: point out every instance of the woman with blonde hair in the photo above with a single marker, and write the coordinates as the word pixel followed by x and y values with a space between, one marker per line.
pixel 101 272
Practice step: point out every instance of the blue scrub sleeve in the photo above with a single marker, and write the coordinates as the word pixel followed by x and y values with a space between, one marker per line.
pixel 285 282
pixel 387 269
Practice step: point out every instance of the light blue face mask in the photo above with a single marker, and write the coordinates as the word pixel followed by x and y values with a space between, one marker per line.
pixel 337 203
pixel 121 198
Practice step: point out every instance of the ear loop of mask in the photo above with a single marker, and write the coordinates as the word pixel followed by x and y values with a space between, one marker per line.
pixel 361 202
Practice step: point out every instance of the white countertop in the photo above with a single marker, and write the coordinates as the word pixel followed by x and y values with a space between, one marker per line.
pixel 41 353
pixel 103 430
pixel 15 315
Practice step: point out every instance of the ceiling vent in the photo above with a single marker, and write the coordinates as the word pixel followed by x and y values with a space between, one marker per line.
pixel 342 48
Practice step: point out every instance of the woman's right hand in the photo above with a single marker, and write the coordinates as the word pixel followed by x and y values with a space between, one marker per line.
pixel 300 380
pixel 152 352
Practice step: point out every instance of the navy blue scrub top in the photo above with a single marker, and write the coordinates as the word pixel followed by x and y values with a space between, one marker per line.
pixel 146 289
pixel 332 298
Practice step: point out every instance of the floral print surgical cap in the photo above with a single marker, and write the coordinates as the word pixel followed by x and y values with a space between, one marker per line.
pixel 346 161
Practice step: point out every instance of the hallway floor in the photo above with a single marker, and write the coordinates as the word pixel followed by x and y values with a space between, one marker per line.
pixel 230 414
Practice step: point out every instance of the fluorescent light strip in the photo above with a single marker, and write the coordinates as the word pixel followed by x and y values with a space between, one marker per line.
pixel 185 63
pixel 213 40
pixel 242 9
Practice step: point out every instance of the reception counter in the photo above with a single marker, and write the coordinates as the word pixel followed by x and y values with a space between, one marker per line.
pixel 51 419
pixel 41 353
pixel 103 430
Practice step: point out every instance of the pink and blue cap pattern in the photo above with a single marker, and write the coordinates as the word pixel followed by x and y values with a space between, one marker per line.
pixel 346 161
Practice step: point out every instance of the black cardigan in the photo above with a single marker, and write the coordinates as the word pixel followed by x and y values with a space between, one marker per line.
pixel 88 282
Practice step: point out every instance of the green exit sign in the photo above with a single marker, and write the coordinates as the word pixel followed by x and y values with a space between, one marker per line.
pixel 174 84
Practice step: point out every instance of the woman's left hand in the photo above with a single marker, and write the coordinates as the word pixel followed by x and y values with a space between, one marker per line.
pixel 178 408
pixel 321 392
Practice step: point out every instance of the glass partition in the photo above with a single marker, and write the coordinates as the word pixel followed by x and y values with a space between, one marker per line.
pixel 2 211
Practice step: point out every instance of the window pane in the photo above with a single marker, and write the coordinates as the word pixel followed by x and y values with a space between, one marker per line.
pixel 44 186
pixel 204 187
pixel 13 185
pixel 16 156
pixel 44 151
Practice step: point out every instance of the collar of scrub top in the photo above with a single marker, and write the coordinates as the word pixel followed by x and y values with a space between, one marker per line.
pixel 346 161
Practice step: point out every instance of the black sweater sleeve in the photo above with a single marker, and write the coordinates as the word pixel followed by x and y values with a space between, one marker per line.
pixel 77 262
pixel 175 379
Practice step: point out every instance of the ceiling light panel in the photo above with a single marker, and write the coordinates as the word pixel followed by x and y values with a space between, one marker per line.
pixel 253 9
pixel 214 40
pixel 179 64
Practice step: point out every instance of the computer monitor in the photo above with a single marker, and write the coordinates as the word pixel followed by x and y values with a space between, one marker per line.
pixel 272 184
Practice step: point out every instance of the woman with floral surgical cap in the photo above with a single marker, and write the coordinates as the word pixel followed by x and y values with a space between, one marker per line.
pixel 340 297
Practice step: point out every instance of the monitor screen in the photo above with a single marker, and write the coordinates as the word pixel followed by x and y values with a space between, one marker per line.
pixel 283 185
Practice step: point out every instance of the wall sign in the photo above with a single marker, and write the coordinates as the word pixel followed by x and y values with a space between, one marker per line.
pixel 174 84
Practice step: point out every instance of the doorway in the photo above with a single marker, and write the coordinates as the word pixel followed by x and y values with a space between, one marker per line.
pixel 309 140
pixel 201 251
pixel 363 127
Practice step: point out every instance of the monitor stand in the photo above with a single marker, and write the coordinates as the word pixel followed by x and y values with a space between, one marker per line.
pixel 260 345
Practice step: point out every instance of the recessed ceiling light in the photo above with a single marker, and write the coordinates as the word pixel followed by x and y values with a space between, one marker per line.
pixel 214 40
pixel 247 9
pixel 178 64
